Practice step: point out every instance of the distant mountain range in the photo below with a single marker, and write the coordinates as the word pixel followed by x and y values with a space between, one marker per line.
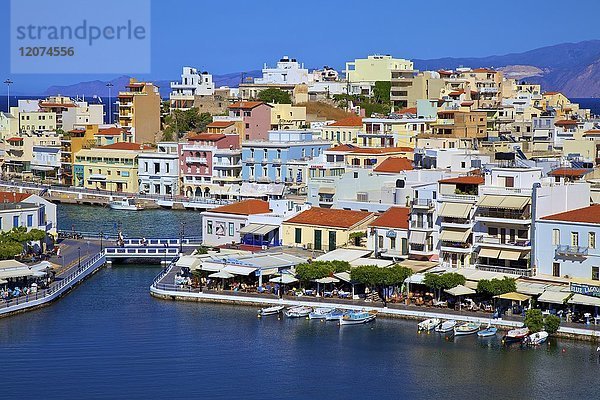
pixel 572 68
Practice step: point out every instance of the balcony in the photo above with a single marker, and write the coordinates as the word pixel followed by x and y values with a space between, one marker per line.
pixel 420 249
pixel 196 160
pixel 249 160
pixel 422 203
pixel 505 191
pixel 571 251
pixel 451 247
pixel 487 90
pixel 459 223
pixel 277 161
pixel 227 179
pixel 458 197
pixel 227 165
pixel 263 179
pixel 422 226
pixel 504 242
pixel 505 270
pixel 503 215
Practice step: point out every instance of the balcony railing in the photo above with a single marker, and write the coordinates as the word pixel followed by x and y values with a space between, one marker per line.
pixel 503 214
pixel 571 251
pixel 506 270
pixel 461 197
pixel 506 241
pixel 193 160
pixel 428 203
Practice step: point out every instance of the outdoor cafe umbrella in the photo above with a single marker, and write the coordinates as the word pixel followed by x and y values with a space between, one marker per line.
pixel 326 280
pixel 459 291
pixel 284 279
pixel 223 275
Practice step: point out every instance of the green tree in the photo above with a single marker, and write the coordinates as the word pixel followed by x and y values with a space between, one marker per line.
pixel 444 281
pixel 274 95
pixel 311 271
pixel 379 278
pixel 10 250
pixel 182 121
pixel 381 92
pixel 496 287
pixel 534 320
pixel 551 323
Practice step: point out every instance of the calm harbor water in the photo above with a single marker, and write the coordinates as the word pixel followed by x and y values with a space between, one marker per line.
pixel 110 339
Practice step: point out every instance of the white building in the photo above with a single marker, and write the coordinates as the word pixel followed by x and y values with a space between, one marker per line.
pixel 28 210
pixel 82 114
pixel 158 172
pixel 287 72
pixel 192 84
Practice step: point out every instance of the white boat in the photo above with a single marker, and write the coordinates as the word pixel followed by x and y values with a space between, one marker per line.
pixel 358 317
pixel 270 311
pixel 516 335
pixel 320 313
pixel 488 332
pixel 126 204
pixel 467 328
pixel 446 326
pixel 428 324
pixel 536 338
pixel 298 312
pixel 335 315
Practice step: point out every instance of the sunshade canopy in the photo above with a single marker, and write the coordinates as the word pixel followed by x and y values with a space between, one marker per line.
pixel 327 279
pixel 550 296
pixel 489 253
pixel 510 254
pixel 455 210
pixel 221 274
pixel 505 202
pixel 417 237
pixel 283 279
pixel 455 235
pixel 513 296
pixel 584 300
pixel 460 290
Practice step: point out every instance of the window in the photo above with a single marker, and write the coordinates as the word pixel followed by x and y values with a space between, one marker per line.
pixel 156 168
pixel 492 231
pixel 392 243
pixel 298 235
pixel 15 221
pixel 380 241
pixel 595 273
pixel 556 269
pixel 209 227
pixel 574 239
pixel 29 220
pixel 509 181
pixel 592 240
pixel 266 154
pixel 555 237
pixel 146 167
pixel 231 229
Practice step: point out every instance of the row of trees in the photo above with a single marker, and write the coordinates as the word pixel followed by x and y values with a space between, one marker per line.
pixel 182 121
pixel 536 321
pixel 11 242
pixel 439 282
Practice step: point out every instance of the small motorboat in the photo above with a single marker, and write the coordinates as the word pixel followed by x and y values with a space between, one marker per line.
pixel 467 328
pixel 320 313
pixel 358 317
pixel 516 335
pixel 125 204
pixel 536 339
pixel 428 324
pixel 488 332
pixel 298 312
pixel 446 326
pixel 263 312
pixel 335 315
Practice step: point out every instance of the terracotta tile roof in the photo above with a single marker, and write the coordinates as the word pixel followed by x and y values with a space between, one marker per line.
pixel 491 71
pixel 382 150
pixel 125 146
pixel 112 131
pixel 566 122
pixel 465 180
pixel 208 137
pixel 220 124
pixel 246 207
pixel 77 131
pixel 410 110
pixel 447 112
pixel 590 215
pixel 571 172
pixel 342 147
pixel 394 217
pixel 550 93
pixel 443 72
pixel 330 217
pixel 247 105
pixel 394 165
pixel 591 132
pixel 467 103
pixel 14 139
pixel 47 104
pixel 13 197
pixel 354 120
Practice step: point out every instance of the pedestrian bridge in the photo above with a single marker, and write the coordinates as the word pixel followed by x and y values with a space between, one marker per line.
pixel 155 252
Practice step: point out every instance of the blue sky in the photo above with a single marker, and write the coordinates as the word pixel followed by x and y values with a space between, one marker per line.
pixel 231 36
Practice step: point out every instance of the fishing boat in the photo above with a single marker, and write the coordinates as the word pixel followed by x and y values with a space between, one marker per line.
pixel 358 317
pixel 536 339
pixel 335 315
pixel 467 328
pixel 320 313
pixel 488 332
pixel 446 326
pixel 298 312
pixel 263 312
pixel 428 324
pixel 126 204
pixel 516 335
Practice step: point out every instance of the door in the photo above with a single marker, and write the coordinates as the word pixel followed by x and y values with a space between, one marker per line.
pixel 332 240
pixel 512 236
pixel 318 244
pixel 502 235
pixel 404 246
pixel 556 269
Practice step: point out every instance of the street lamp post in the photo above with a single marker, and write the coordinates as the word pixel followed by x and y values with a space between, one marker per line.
pixel 181 236
pixel 79 259
pixel 109 86
pixel 101 235
pixel 8 82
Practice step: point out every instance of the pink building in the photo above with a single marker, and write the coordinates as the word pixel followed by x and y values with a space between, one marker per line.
pixel 256 117
pixel 207 162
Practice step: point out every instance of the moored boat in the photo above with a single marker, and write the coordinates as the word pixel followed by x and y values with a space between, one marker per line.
pixel 270 311
pixel 536 338
pixel 516 335
pixel 335 315
pixel 428 324
pixel 358 317
pixel 320 313
pixel 467 328
pixel 298 312
pixel 488 332
pixel 446 326
pixel 125 204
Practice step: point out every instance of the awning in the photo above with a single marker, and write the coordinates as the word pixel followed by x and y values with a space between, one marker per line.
pixel 265 229
pixel 531 288
pixel 489 253
pixel 510 254
pixel 513 296
pixel 415 278
pixel 97 177
pixel 418 266
pixel 553 297
pixel 344 255
pixel 221 274
pixel 460 290
pixel 250 228
pixel 507 202
pixel 343 276
pixel 455 210
pixel 211 266
pixel 417 237
pixel 327 279
pixel 191 262
pixel 43 168
pixel 584 300
pixel 455 235
pixel 327 190
pixel 257 229
pixel 283 279
pixel 239 270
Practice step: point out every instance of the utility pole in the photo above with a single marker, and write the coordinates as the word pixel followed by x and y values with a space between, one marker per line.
pixel 109 86
pixel 8 82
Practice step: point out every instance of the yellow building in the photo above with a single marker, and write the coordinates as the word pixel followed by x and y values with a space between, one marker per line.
pixel 344 131
pixel 326 228
pixel 9 125
pixel 287 116
pixel 409 86
pixel 113 168
pixel 34 121
pixel 139 110
pixel 375 68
